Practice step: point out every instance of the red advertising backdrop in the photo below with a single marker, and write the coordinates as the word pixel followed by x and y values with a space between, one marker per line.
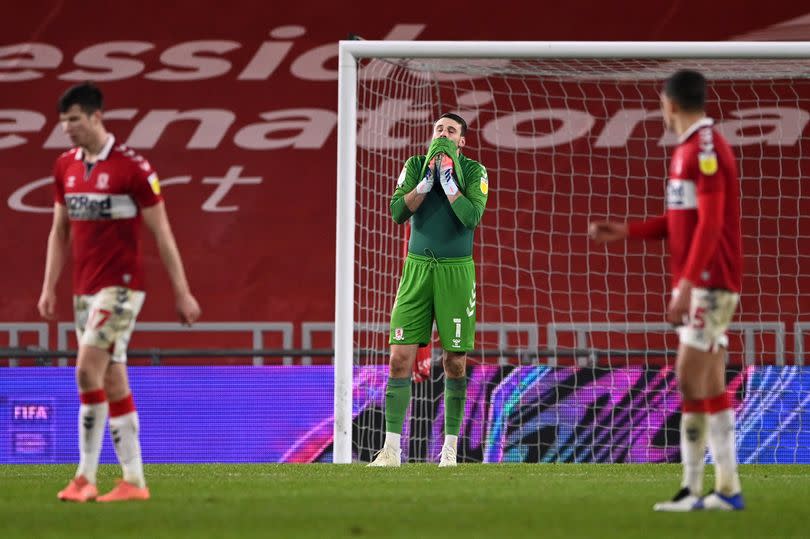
pixel 236 107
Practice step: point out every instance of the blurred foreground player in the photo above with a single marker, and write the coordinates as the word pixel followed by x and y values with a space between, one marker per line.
pixel 702 224
pixel 102 192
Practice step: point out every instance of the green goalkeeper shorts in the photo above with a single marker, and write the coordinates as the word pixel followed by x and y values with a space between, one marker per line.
pixel 430 288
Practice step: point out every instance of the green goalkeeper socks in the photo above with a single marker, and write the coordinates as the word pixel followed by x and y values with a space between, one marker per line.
pixel 397 399
pixel 455 395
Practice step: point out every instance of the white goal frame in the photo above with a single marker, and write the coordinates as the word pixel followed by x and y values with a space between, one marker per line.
pixel 350 52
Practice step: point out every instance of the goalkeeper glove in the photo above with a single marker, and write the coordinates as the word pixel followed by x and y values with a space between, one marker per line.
pixel 446 174
pixel 427 182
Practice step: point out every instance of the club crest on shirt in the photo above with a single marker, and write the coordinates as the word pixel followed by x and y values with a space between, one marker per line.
pixel 71 182
pixel 707 161
pixel 103 181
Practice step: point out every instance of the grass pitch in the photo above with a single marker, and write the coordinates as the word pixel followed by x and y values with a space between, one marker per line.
pixel 523 500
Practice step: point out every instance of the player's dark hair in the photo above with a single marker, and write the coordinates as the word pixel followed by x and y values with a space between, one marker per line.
pixel 86 95
pixel 688 89
pixel 458 119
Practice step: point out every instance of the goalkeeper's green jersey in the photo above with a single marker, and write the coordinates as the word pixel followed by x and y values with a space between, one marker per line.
pixel 439 228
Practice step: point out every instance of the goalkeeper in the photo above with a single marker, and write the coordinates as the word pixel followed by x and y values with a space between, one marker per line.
pixel 444 194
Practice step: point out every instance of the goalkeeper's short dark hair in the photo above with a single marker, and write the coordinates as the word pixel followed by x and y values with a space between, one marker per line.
pixel 458 119
pixel 87 95
pixel 688 89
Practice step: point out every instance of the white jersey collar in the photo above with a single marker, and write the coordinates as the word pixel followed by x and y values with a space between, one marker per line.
pixel 105 151
pixel 703 122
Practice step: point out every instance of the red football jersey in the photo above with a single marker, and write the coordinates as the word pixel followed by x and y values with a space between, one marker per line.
pixel 703 167
pixel 103 204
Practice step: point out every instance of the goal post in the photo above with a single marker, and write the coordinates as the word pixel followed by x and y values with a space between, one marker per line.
pixel 582 304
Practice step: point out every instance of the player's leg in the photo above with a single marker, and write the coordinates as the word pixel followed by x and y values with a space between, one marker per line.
pixel 411 325
pixel 124 427
pixel 455 397
pixel 692 367
pixel 700 371
pixel 124 421
pixel 397 399
pixel 727 494
pixel 454 297
pixel 91 364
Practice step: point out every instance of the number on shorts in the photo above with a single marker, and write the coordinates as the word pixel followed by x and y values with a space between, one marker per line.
pixel 458 327
pixel 698 321
pixel 99 317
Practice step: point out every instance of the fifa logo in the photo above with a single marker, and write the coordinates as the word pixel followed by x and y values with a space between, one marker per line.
pixel 31 412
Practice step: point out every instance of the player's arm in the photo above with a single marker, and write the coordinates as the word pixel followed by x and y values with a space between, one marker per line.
pixel 410 191
pixel 711 206
pixel 607 231
pixel 55 258
pixel 157 221
pixel 469 205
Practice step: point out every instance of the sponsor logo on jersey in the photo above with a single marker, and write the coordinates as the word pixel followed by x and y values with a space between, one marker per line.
pixel 89 207
pixel 97 206
pixel 681 195
pixel 154 182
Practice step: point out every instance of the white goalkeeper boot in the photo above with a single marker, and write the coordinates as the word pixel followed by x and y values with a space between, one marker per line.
pixel 683 501
pixel 448 457
pixel 388 457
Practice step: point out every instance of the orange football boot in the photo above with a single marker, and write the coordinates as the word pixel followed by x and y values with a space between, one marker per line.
pixel 124 491
pixel 79 490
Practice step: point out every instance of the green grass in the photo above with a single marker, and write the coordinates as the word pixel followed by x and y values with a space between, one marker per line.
pixel 324 501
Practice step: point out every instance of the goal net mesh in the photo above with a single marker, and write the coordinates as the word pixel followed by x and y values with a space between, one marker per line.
pixel 573 360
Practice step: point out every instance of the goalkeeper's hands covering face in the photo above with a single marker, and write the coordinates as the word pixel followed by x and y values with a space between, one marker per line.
pixel 442 165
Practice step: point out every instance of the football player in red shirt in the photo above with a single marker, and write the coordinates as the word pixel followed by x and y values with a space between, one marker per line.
pixel 702 226
pixel 103 190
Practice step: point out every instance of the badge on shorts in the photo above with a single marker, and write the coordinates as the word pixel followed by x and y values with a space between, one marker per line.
pixel 708 163
pixel 399 334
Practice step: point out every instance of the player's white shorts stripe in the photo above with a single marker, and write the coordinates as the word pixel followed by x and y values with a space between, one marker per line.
pixel 710 314
pixel 107 318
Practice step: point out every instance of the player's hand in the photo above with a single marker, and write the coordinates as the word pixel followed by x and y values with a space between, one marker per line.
pixel 47 305
pixel 188 309
pixel 678 311
pixel 427 182
pixel 447 175
pixel 605 231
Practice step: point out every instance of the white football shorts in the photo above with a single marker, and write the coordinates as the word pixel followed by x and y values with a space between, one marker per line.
pixel 106 319
pixel 710 314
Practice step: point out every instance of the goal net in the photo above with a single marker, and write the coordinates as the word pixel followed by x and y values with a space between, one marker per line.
pixel 573 360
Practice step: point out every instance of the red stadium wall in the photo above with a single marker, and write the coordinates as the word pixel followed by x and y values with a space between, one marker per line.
pixel 236 109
